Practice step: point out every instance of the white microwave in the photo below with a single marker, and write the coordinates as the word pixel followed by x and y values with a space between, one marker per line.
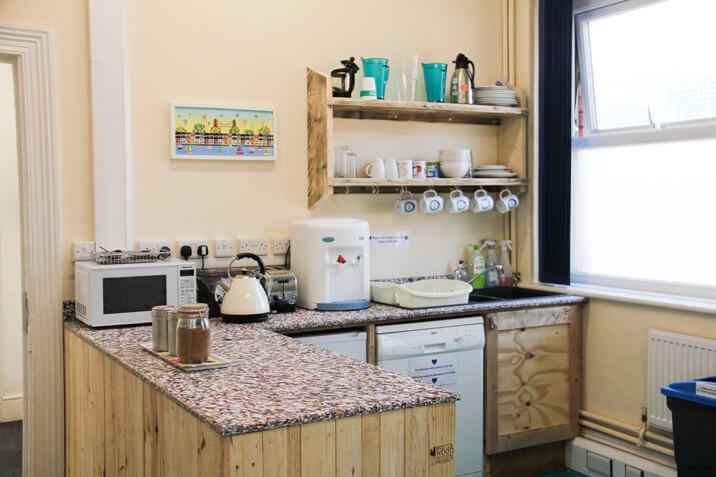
pixel 124 294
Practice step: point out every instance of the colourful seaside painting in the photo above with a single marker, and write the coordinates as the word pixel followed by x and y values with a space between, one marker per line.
pixel 224 133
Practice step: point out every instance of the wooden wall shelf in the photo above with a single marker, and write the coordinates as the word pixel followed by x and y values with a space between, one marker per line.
pixel 419 111
pixel 322 108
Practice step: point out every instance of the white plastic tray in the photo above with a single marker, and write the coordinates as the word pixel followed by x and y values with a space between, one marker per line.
pixel 422 294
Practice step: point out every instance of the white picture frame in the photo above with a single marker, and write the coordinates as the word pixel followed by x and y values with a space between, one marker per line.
pixel 224 133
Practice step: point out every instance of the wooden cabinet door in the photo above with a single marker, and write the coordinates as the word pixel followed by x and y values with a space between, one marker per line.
pixel 532 377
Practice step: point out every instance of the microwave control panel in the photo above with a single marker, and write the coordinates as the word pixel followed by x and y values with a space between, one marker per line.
pixel 187 284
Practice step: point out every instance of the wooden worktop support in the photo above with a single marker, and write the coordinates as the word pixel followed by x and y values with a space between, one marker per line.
pixel 117 425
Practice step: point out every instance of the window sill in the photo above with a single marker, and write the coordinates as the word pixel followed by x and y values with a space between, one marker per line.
pixel 675 302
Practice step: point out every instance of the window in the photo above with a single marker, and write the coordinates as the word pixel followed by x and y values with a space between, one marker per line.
pixel 644 165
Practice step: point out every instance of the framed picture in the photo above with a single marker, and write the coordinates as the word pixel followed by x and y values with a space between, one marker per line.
pixel 224 133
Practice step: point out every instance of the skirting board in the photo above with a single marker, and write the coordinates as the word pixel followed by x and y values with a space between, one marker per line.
pixel 577 452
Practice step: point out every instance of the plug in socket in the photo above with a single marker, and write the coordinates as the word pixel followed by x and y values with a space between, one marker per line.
pixel 193 244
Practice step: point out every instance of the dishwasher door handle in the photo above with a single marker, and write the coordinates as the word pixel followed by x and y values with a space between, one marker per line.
pixel 433 347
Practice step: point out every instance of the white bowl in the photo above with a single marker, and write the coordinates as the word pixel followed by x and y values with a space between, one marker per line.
pixel 452 155
pixel 454 169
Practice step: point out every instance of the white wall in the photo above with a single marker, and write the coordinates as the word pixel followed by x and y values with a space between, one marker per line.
pixel 10 252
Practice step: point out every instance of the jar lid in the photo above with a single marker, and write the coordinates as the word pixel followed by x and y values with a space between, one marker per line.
pixel 162 309
pixel 194 309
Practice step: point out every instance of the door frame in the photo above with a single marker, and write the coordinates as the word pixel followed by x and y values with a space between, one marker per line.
pixel 31 51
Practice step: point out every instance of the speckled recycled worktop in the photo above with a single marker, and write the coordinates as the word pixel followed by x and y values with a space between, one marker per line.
pixel 305 320
pixel 276 381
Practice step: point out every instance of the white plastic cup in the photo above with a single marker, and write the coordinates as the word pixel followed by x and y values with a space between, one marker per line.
pixel 367 89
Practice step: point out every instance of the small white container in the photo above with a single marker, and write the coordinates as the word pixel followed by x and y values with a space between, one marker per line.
pixel 383 292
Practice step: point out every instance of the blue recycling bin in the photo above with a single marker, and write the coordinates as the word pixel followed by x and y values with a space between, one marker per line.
pixel 694 426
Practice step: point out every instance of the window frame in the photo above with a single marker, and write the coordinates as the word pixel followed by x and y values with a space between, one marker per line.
pixel 595 138
pixel 654 132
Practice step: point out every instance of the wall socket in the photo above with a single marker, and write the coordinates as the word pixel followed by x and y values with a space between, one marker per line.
pixel 154 246
pixel 194 244
pixel 257 246
pixel 82 251
pixel 280 245
pixel 223 248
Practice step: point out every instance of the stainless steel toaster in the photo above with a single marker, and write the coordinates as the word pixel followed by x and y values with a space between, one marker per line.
pixel 281 288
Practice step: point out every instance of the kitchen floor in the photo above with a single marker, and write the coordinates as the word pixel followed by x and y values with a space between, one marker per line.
pixel 11 449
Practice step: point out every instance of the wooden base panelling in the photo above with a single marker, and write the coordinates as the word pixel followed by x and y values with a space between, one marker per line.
pixel 116 425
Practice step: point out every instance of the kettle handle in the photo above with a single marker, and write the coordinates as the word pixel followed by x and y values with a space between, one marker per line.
pixel 262 268
pixel 472 74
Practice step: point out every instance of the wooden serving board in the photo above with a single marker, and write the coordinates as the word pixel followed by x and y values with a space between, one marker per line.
pixel 214 361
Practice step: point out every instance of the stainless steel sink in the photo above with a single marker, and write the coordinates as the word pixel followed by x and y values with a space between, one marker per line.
pixel 506 293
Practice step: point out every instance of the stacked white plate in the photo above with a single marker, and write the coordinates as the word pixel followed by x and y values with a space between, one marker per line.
pixel 455 162
pixel 493 172
pixel 495 96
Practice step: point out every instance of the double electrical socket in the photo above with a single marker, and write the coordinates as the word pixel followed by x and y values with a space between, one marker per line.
pixel 257 246
pixel 193 244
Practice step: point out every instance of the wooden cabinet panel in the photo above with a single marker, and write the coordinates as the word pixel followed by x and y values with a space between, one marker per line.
pixel 119 425
pixel 532 377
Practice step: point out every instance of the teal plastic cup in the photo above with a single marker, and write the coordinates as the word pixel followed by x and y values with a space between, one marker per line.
pixel 377 68
pixel 435 74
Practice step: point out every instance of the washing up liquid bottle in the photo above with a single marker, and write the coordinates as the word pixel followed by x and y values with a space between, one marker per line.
pixel 475 265
pixel 506 279
pixel 492 278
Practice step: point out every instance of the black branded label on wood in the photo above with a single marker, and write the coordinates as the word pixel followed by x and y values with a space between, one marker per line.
pixel 442 454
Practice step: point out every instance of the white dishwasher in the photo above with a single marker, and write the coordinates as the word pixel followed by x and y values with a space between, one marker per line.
pixel 447 353
pixel 348 343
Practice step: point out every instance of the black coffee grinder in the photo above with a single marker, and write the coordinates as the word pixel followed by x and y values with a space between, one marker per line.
pixel 342 75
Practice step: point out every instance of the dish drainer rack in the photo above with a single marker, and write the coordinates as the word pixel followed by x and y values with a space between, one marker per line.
pixel 130 256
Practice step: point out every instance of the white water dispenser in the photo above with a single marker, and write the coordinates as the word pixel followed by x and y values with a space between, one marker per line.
pixel 330 257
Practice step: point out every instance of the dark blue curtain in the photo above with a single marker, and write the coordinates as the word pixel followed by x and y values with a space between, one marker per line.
pixel 555 142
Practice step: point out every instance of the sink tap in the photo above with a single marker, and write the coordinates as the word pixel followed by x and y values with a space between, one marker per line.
pixel 497 267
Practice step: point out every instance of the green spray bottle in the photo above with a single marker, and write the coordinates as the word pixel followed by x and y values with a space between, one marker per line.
pixel 476 264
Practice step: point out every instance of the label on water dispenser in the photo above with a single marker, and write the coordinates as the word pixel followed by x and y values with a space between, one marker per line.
pixel 439 369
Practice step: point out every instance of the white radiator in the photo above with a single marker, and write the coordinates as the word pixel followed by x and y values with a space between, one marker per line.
pixel 675 357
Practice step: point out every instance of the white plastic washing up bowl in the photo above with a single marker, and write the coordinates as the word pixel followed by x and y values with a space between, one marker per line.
pixel 423 293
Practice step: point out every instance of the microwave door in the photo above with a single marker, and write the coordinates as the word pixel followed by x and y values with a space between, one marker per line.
pixel 128 298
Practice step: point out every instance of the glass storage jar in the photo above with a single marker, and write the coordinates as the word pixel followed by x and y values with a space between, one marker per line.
pixel 193 333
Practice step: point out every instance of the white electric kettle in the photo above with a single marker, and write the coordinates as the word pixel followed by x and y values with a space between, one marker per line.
pixel 245 300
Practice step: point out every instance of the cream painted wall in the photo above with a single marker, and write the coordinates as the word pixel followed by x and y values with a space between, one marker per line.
pixel 68 21
pixel 10 252
pixel 615 352
pixel 251 54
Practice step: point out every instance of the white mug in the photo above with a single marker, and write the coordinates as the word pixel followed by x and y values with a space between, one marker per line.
pixel 457 202
pixel 481 201
pixel 406 205
pixel 419 169
pixel 376 169
pixel 431 202
pixel 391 169
pixel 507 201
pixel 405 169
